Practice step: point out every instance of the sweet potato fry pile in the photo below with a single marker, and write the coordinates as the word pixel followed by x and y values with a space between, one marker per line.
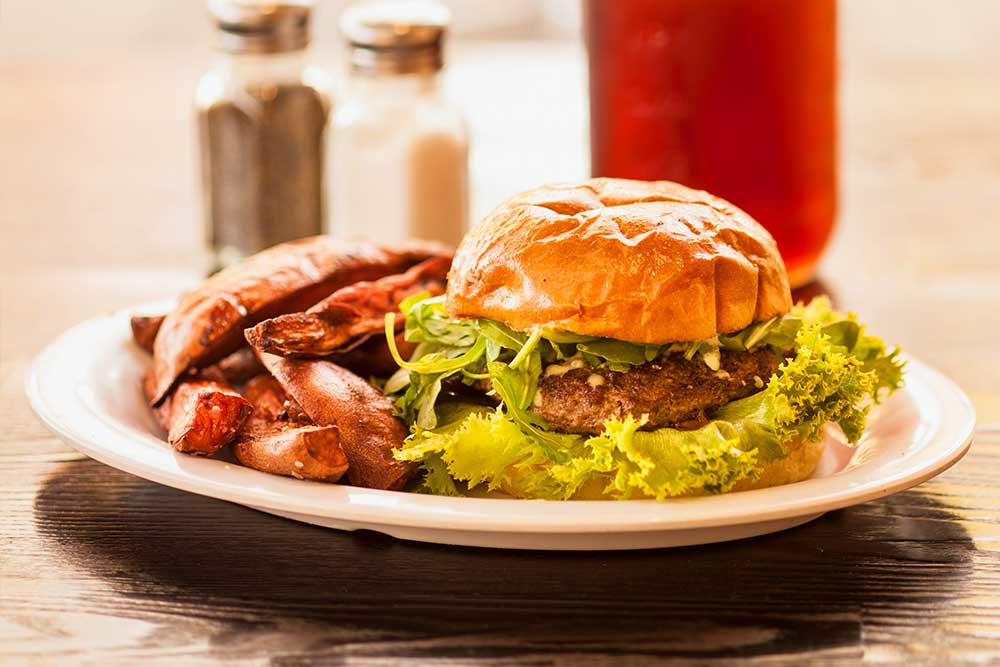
pixel 208 322
pixel 292 401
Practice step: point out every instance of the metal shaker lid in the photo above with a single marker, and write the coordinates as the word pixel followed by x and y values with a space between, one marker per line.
pixel 261 26
pixel 395 36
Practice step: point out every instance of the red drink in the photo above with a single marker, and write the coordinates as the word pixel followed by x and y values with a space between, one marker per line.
pixel 737 97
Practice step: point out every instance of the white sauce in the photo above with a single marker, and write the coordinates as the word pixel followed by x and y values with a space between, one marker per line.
pixel 569 364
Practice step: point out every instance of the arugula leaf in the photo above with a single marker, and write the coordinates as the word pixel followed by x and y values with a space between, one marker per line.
pixel 502 335
pixel 618 352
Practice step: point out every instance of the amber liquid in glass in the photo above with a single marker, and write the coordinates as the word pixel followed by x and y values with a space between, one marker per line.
pixel 737 97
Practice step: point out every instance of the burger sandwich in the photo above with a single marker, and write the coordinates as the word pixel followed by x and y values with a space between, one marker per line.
pixel 617 339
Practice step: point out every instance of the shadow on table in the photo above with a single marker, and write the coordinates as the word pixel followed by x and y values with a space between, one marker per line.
pixel 261 581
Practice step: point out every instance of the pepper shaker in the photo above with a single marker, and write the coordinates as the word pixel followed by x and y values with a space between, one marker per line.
pixel 262 117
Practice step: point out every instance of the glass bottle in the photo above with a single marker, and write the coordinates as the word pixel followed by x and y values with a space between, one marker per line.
pixel 399 148
pixel 262 116
pixel 737 97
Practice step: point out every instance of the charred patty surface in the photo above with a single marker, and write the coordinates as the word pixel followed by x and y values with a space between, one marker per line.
pixel 671 390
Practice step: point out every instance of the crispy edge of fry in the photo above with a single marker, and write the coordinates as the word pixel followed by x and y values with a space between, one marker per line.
pixel 144 330
pixel 388 290
pixel 338 320
pixel 276 440
pixel 200 415
pixel 304 334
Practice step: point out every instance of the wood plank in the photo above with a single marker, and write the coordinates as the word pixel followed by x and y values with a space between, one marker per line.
pixel 125 549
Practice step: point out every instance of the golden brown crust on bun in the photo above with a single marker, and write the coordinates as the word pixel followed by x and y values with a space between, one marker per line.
pixel 649 262
pixel 797 466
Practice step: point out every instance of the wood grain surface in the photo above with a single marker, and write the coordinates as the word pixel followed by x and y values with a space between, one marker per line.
pixel 98 211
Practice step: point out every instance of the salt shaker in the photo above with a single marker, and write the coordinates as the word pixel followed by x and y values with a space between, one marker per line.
pixel 399 149
pixel 262 116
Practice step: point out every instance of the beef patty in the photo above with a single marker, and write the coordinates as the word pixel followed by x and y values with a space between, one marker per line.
pixel 671 390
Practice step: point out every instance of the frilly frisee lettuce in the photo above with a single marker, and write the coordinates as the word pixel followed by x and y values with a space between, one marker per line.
pixel 834 372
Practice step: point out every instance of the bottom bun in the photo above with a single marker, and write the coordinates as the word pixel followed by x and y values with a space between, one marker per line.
pixel 797 466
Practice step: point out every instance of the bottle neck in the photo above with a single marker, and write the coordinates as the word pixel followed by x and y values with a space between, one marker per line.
pixel 263 67
pixel 384 85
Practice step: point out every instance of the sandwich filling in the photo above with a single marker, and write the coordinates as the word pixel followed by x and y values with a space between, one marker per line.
pixel 564 412
pixel 670 390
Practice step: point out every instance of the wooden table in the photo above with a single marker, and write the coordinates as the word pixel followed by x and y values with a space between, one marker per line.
pixel 98 211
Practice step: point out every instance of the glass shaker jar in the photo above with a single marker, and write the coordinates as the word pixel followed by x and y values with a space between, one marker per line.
pixel 262 115
pixel 399 149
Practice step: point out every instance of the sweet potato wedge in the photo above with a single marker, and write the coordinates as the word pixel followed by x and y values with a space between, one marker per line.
pixel 334 396
pixel 238 367
pixel 267 397
pixel 200 415
pixel 304 451
pixel 235 368
pixel 144 328
pixel 347 315
pixel 208 322
pixel 282 441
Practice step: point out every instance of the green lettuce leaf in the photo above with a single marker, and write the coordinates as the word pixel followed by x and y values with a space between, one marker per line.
pixel 832 374
pixel 486 447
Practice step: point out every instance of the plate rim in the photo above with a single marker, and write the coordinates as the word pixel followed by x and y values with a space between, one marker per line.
pixel 395 508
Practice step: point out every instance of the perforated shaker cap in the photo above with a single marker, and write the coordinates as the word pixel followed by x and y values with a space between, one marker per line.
pixel 247 26
pixel 395 36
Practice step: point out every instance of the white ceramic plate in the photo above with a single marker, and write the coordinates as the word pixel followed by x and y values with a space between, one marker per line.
pixel 85 387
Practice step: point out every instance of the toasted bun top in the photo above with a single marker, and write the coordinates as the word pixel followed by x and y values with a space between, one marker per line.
pixel 647 262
